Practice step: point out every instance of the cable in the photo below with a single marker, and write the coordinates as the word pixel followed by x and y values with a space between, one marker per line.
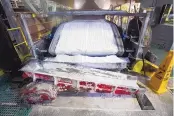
pixel 143 65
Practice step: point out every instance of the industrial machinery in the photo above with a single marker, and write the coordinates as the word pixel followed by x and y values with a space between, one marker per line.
pixel 88 53
pixel 91 63
pixel 76 66
pixel 10 61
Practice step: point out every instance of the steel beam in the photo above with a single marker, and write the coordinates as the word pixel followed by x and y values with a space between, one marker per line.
pixel 96 12
pixel 11 19
pixel 44 6
pixel 30 6
pixel 27 34
pixel 141 37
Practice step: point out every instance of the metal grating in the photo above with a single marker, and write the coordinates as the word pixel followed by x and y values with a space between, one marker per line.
pixel 14 111
pixel 10 102
pixel 10 96
pixel 8 110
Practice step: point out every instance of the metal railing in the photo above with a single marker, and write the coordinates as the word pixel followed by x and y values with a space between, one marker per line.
pixel 23 36
pixel 20 54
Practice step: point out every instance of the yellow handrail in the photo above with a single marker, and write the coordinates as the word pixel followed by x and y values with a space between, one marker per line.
pixel 23 36
pixel 24 41
pixel 13 29
pixel 170 9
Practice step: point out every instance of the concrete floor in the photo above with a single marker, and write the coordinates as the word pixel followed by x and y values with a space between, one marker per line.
pixel 82 106
pixel 106 106
pixel 112 106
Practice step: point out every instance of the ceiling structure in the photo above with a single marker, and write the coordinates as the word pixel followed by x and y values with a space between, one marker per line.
pixel 43 6
pixel 88 4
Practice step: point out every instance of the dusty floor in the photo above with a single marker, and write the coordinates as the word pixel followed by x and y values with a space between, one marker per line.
pixel 65 106
pixel 100 106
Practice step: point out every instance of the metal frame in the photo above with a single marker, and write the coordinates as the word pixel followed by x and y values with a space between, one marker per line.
pixel 30 6
pixel 142 99
pixel 24 39
pixel 28 36
pixel 93 13
pixel 142 34
pixel 11 19
pixel 96 13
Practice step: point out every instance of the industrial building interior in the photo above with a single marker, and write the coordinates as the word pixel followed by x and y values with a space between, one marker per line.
pixel 86 58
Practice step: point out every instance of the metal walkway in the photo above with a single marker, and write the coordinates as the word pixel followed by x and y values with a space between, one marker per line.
pixel 10 103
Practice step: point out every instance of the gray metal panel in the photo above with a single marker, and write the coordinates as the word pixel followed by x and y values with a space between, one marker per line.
pixel 150 3
pixel 162 2
pixel 162 36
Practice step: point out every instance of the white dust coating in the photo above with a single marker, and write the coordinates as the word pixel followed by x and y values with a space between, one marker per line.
pixel 44 86
pixel 87 59
pixel 117 103
pixel 163 105
pixel 61 70
pixel 64 106
pixel 105 62
pixel 93 37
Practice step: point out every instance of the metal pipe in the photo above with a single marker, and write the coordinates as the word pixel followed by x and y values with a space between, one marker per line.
pixel 13 29
pixel 130 4
pixel 128 16
pixel 101 12
pixel 28 36
pixel 142 34
pixel 167 17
